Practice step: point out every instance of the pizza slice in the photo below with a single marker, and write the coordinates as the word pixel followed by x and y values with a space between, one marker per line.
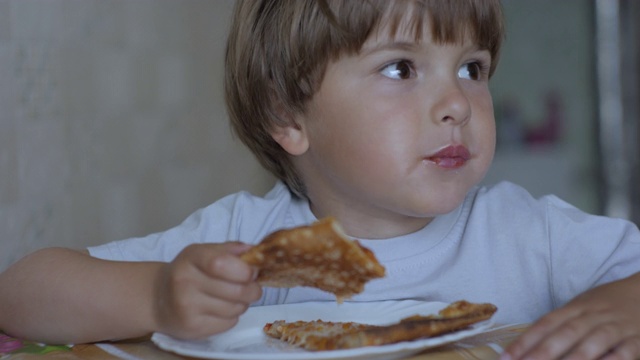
pixel 323 335
pixel 305 333
pixel 319 255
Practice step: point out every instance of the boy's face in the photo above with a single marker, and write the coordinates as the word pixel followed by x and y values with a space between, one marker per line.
pixel 398 133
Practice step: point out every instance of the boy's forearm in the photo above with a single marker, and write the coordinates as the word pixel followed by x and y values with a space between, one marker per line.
pixel 64 296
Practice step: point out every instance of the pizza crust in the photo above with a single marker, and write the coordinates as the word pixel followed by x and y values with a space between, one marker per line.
pixel 319 255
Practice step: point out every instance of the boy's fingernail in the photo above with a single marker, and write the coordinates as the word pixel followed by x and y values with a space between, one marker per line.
pixel 505 356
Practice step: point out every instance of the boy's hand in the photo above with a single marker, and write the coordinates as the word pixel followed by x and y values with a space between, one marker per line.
pixel 603 323
pixel 204 290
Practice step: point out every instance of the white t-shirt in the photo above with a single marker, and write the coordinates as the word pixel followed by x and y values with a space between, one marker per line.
pixel 527 256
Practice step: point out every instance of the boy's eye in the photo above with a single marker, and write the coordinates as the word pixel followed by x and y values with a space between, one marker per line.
pixel 400 70
pixel 470 71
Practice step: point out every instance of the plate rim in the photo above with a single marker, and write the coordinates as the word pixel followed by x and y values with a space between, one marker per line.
pixel 185 347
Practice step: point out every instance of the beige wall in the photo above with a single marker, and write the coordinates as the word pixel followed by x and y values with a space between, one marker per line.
pixel 112 120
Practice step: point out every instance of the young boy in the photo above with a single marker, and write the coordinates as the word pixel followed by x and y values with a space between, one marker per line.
pixel 377 113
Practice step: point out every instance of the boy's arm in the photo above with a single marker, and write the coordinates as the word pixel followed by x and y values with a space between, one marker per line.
pixel 604 322
pixel 57 295
pixel 64 296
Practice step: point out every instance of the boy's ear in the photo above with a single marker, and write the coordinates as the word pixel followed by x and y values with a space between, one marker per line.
pixel 292 138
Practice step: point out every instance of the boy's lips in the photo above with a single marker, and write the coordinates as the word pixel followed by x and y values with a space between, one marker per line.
pixel 450 157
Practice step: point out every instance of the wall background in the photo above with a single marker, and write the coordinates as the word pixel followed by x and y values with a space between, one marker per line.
pixel 113 122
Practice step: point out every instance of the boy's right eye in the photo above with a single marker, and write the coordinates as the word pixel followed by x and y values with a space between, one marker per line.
pixel 399 70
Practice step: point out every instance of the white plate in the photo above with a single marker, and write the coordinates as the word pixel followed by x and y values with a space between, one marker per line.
pixel 246 341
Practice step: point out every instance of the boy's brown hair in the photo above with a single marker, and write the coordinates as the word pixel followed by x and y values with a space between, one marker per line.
pixel 278 50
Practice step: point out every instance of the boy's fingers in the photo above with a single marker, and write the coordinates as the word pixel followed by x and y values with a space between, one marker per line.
pixel 600 341
pixel 627 350
pixel 231 268
pixel 236 247
pixel 582 336
pixel 224 309
pixel 538 340
pixel 233 292
pixel 524 343
pixel 221 261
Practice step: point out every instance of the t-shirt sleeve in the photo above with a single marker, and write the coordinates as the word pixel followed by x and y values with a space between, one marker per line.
pixel 236 217
pixel 165 246
pixel 588 250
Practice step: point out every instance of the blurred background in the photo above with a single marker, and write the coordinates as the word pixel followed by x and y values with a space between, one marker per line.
pixel 113 122
pixel 566 102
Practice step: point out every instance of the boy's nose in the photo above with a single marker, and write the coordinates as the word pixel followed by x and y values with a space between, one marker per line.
pixel 452 106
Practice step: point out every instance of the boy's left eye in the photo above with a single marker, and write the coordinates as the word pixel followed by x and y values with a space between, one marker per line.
pixel 471 71
pixel 399 70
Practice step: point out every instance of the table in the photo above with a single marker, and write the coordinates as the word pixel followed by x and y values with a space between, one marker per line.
pixel 484 346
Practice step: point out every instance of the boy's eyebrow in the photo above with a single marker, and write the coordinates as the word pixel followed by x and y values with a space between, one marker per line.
pixel 393 45
pixel 399 45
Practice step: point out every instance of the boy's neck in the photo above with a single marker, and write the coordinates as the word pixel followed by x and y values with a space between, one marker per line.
pixel 372 226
